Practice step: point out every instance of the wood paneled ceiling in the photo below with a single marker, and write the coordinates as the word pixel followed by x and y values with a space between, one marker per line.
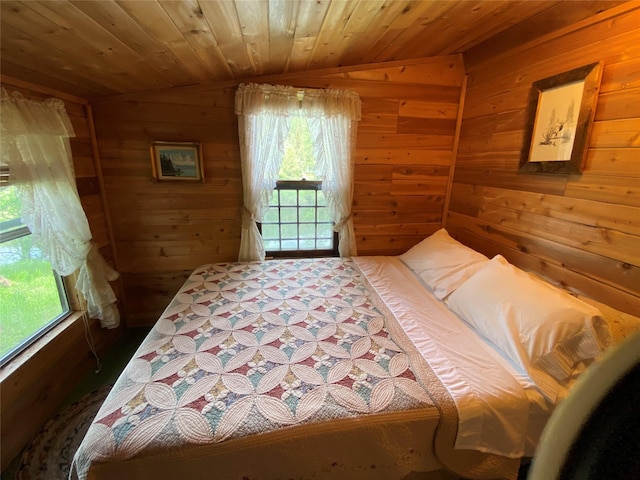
pixel 106 47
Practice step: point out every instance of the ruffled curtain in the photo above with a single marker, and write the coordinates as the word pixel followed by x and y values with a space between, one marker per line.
pixel 333 146
pixel 264 118
pixel 262 126
pixel 35 146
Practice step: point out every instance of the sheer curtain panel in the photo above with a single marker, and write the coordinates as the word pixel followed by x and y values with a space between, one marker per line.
pixel 35 146
pixel 264 118
pixel 262 128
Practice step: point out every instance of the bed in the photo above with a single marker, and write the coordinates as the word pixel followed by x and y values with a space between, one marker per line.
pixel 369 367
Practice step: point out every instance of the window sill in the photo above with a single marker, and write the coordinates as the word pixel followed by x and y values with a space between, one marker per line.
pixel 31 351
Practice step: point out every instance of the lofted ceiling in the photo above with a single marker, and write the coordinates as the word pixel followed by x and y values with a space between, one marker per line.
pixel 106 47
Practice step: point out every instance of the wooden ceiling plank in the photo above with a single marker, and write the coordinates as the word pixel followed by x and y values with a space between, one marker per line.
pixel 128 46
pixel 368 16
pixel 425 20
pixel 22 25
pixel 16 72
pixel 360 21
pixel 20 50
pixel 493 22
pixel 124 64
pixel 75 105
pixel 189 18
pixel 308 25
pixel 115 20
pixel 253 16
pixel 154 20
pixel 555 18
pixel 121 25
pixel 460 16
pixel 12 68
pixel 389 11
pixel 225 25
pixel 403 21
pixel 194 27
pixel 323 54
pixel 282 24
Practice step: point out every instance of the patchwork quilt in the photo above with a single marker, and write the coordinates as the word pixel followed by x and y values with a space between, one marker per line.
pixel 248 348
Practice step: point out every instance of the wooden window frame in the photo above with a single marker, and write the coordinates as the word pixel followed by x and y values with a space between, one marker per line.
pixel 13 230
pixel 297 185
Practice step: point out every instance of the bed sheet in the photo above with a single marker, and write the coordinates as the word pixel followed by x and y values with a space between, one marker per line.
pixel 500 409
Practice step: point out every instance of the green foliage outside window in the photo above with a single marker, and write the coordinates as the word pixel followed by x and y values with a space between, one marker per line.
pixel 29 296
pixel 299 162
pixel 9 204
pixel 297 218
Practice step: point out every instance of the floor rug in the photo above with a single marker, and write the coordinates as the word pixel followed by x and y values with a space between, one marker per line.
pixel 49 455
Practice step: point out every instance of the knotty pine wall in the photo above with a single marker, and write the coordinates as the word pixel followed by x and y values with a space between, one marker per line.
pixel 580 230
pixel 35 384
pixel 163 231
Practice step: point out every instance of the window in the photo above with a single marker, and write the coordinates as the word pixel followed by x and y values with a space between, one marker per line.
pixel 37 150
pixel 265 117
pixel 298 222
pixel 32 295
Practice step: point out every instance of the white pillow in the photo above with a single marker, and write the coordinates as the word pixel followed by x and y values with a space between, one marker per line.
pixel 541 328
pixel 442 262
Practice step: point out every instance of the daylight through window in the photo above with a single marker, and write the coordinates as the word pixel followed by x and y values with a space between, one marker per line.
pixel 32 295
pixel 298 219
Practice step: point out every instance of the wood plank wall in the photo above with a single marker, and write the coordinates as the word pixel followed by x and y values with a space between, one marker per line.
pixel 164 230
pixel 582 231
pixel 35 384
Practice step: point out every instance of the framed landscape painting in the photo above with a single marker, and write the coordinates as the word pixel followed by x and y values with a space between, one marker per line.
pixel 177 161
pixel 561 113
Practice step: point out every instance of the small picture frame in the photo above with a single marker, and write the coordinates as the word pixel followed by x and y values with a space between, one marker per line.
pixel 559 121
pixel 177 161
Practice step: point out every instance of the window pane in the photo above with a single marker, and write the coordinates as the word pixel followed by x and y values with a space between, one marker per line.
pixel 290 245
pixel 307 197
pixel 270 232
pixel 323 215
pixel 300 203
pixel 32 298
pixel 289 214
pixel 289 231
pixel 298 162
pixel 308 230
pixel 307 244
pixel 288 197
pixel 29 297
pixel 9 204
pixel 325 230
pixel 325 244
pixel 307 214
pixel 271 245
pixel 271 216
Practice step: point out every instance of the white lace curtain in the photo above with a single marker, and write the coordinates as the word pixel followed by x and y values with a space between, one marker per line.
pixel 264 118
pixel 35 146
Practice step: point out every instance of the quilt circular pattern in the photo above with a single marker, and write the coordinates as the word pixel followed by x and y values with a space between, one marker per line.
pixel 248 348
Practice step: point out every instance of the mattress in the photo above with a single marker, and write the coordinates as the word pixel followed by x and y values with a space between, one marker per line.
pixel 308 368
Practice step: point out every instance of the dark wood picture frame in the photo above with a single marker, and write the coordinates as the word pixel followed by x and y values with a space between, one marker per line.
pixel 560 116
pixel 177 161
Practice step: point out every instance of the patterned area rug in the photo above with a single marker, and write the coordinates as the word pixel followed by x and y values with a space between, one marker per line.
pixel 49 455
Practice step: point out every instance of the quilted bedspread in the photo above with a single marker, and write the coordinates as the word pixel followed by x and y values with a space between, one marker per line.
pixel 246 348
